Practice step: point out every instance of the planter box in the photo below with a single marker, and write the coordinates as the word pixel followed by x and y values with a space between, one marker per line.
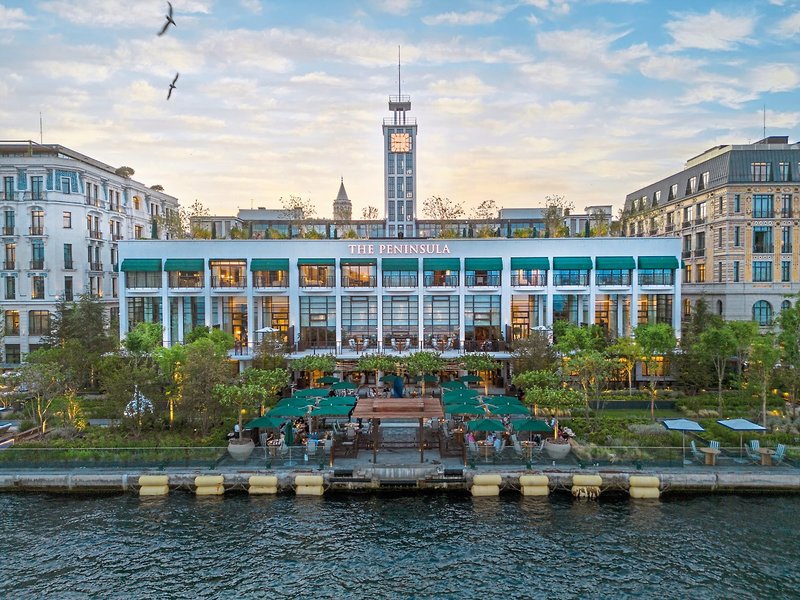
pixel 556 451
pixel 240 451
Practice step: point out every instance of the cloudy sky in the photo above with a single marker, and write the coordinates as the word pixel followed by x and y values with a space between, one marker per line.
pixel 515 100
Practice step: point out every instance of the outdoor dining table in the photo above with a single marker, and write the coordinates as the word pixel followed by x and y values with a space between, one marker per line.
pixel 711 455
pixel 766 456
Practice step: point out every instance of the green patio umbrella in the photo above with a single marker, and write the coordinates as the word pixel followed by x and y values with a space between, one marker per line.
pixel 470 379
pixel 288 435
pixel 340 410
pixel 388 378
pixel 464 409
pixel 459 394
pixel 427 378
pixel 337 400
pixel 454 385
pixel 344 385
pixel 328 379
pixel 289 411
pixel 295 401
pixel 264 422
pixel 463 402
pixel 311 393
pixel 501 400
pixel 485 425
pixel 531 425
pixel 509 409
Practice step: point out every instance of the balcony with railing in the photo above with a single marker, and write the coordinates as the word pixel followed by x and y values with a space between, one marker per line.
pixel 666 277
pixel 571 279
pixel 763 214
pixel 37 264
pixel 359 281
pixel 522 279
pixel 699 252
pixel 686 254
pixel 185 280
pixel 115 237
pixel 9 231
pixel 9 196
pixel 36 230
pixel 400 280
pixel 95 234
pixel 686 224
pixel 9 265
pixel 35 196
pixel 700 221
pixel 653 231
pixel 228 282
pixel 485 345
pixel 271 280
pixel 323 281
pixel 761 248
pixel 613 278
pixel 95 266
pixel 669 227
pixel 482 280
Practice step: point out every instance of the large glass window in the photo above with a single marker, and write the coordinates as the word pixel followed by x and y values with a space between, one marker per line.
pixel 784 171
pixel 271 279
pixel 573 308
pixel 482 331
pixel 612 312
pixel 763 206
pixel 612 277
pixel 359 275
pixel 655 308
pixel 527 312
pixel 762 239
pixel 142 279
pixel 10 258
pixel 37 222
pixel 400 320
pixel 482 278
pixel 228 273
pixel 38 322
pixel 190 309
pixel 529 277
pixel 440 318
pixel 11 288
pixel 317 276
pixel 37 287
pixel 656 276
pixel 762 313
pixel 760 171
pixel 186 279
pixel 68 288
pixel 441 278
pixel 562 277
pixel 762 270
pixel 11 322
pixel 37 254
pixel 8 222
pixel 317 322
pixel 786 270
pixel 37 188
pixel 13 354
pixel 786 239
pixel 400 278
pixel 275 314
pixel 786 206
pixel 360 321
pixel 68 264
pixel 229 313
pixel 143 310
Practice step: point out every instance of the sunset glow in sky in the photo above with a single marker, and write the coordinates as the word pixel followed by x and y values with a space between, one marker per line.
pixel 515 100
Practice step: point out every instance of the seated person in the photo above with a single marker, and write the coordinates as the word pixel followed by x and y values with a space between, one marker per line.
pixel 498 443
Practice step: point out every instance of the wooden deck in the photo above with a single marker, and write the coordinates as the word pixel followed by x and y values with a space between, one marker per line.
pixel 398 408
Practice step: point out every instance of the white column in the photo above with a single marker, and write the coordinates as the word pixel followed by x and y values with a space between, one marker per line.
pixel 635 300
pixel 181 332
pixel 505 301
pixel 549 294
pixel 207 294
pixel 165 309
pixel 123 303
pixel 251 340
pixel 676 303
pixel 379 292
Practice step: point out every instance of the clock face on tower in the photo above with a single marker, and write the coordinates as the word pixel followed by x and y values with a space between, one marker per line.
pixel 400 142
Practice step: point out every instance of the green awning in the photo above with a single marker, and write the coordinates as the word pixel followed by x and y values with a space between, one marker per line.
pixel 441 264
pixel 316 261
pixel 183 264
pixel 534 263
pixel 269 264
pixel 572 263
pixel 658 262
pixel 358 261
pixel 400 264
pixel 149 265
pixel 619 263
pixel 483 264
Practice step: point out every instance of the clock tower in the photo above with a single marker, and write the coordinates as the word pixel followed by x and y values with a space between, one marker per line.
pixel 400 166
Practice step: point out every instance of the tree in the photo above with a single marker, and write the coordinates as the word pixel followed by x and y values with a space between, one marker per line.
pixel 556 207
pixel 144 338
pixel 124 375
pixel 591 369
pixel 171 361
pixel 693 365
pixel 532 353
pixel 599 220
pixel 206 366
pixel 745 332
pixel 576 338
pixel 46 379
pixel 370 213
pixel 422 363
pixel 377 363
pixel 314 364
pixel 251 388
pixel 125 172
pixel 481 363
pixel 485 211
pixel 442 209
pixel 657 342
pixel 627 351
pixel 764 353
pixel 157 187
pixel 718 344
pixel 789 340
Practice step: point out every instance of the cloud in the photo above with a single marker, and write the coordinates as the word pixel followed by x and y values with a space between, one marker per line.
pixel 470 85
pixel 13 18
pixel 317 78
pixel 116 13
pixel 712 31
pixel 473 17
pixel 395 7
pixel 788 27
pixel 253 6
pixel 586 47
pixel 559 7
pixel 671 67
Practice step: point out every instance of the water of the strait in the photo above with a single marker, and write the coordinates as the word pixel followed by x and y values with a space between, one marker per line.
pixel 410 546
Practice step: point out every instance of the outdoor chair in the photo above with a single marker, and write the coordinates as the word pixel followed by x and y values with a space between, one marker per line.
pixel 407 344
pixel 696 454
pixel 352 343
pixel 473 447
pixel 752 451
pixel 714 444
pixel 519 450
pixel 780 454
pixel 393 343
pixel 365 345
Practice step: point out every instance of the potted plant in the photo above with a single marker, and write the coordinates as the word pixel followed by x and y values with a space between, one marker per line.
pixel 557 447
pixel 251 388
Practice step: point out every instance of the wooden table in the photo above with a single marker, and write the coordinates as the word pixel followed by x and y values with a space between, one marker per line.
pixel 766 456
pixel 711 455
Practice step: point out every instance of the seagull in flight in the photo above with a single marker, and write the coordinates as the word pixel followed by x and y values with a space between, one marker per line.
pixel 170 20
pixel 172 86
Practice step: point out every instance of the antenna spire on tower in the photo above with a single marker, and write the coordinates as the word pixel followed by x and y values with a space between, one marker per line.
pixel 398 72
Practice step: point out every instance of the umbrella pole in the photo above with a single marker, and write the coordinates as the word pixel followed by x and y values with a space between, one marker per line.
pixel 741 445
pixel 683 446
pixel 421 442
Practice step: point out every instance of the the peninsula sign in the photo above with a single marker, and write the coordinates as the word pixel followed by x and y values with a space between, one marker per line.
pixel 398 249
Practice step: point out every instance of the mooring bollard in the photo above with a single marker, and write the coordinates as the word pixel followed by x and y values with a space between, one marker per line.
pixel 534 485
pixel 642 486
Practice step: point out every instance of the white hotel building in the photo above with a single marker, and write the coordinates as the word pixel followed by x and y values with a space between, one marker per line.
pixel 348 297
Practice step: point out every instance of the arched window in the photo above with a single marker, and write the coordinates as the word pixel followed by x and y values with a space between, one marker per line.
pixel 719 307
pixel 785 305
pixel 762 313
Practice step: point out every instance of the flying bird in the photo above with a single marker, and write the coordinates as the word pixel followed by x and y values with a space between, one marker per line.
pixel 172 86
pixel 170 20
